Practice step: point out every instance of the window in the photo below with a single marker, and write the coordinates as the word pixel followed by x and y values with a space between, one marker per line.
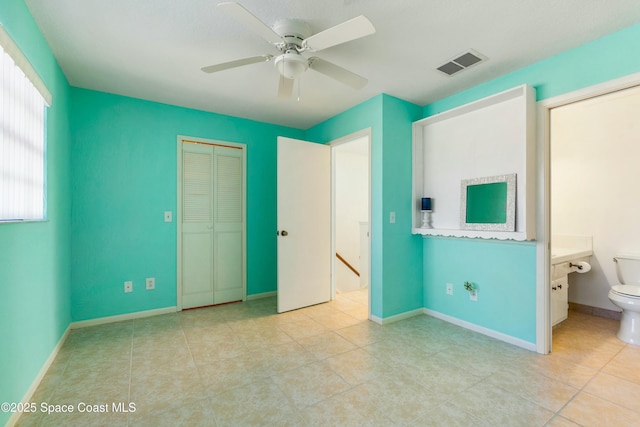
pixel 23 99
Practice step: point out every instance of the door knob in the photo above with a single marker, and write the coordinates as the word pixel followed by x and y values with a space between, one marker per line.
pixel 284 233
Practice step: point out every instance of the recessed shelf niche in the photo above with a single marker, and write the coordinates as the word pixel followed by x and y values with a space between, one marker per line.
pixel 491 136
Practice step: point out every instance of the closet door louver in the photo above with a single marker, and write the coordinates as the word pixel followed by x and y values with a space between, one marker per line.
pixel 213 266
pixel 228 205
pixel 228 236
pixel 197 187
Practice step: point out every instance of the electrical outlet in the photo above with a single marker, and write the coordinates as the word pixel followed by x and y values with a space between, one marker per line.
pixel 150 283
pixel 449 288
pixel 128 286
pixel 473 295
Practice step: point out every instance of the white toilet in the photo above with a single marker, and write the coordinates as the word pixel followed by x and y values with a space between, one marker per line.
pixel 626 295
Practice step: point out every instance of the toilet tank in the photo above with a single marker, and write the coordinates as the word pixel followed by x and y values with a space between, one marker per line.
pixel 628 268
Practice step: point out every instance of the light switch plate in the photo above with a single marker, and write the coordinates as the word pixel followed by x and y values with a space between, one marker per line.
pixel 168 216
pixel 392 217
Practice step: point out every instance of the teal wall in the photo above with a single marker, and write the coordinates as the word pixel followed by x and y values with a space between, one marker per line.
pixel 504 273
pixel 602 60
pixel 124 176
pixel 113 159
pixel 402 251
pixel 396 255
pixel 510 282
pixel 35 257
pixel 367 115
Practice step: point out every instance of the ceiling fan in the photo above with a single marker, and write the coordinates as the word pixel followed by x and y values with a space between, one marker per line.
pixel 292 37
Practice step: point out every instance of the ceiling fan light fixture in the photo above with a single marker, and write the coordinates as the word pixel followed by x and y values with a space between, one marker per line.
pixel 291 65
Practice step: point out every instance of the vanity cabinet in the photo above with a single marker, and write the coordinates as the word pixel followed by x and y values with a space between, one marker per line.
pixel 559 299
pixel 490 137
pixel 571 250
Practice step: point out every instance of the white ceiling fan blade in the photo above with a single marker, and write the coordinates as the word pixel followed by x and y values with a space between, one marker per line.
pixel 249 20
pixel 337 73
pixel 349 30
pixel 285 88
pixel 237 63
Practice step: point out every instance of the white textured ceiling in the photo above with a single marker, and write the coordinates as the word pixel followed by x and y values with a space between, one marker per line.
pixel 154 49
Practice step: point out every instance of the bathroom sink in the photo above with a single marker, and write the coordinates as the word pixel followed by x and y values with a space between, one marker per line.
pixel 559 255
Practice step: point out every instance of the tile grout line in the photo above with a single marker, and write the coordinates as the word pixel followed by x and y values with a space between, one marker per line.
pixel 600 371
pixel 195 364
pixel 314 360
pixel 558 413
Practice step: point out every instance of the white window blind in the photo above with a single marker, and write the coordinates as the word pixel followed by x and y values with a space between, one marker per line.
pixel 23 99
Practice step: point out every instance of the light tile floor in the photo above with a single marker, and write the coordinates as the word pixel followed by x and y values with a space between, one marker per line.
pixel 243 364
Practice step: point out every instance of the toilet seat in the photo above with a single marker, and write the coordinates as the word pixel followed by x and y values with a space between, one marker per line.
pixel 627 291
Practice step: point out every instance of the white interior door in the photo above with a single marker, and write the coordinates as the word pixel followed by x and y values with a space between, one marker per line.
pixel 213 267
pixel 304 224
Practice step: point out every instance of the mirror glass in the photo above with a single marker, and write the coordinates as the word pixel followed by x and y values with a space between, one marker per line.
pixel 488 203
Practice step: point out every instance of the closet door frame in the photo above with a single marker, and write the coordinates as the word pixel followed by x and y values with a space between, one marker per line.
pixel 243 147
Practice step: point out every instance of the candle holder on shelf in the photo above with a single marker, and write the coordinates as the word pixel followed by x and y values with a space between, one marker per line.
pixel 425 207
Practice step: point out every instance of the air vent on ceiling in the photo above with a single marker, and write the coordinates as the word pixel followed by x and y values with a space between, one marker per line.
pixel 462 62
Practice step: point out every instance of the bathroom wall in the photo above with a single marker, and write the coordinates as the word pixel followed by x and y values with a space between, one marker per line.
pixel 351 207
pixel 594 185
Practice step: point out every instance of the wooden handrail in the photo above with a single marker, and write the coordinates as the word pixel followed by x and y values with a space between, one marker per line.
pixel 345 262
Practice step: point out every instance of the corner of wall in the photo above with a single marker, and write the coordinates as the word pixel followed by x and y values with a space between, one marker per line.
pixel 35 256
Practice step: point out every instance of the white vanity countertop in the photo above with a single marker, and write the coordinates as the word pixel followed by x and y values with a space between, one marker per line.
pixel 559 255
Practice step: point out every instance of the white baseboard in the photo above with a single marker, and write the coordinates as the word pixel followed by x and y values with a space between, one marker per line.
pixel 121 317
pixel 36 382
pixel 396 317
pixel 262 295
pixel 482 330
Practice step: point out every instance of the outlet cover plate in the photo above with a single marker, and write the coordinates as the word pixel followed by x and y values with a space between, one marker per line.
pixel 150 283
pixel 449 288
pixel 128 286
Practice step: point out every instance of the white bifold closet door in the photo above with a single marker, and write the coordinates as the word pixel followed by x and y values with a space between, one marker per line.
pixel 212 225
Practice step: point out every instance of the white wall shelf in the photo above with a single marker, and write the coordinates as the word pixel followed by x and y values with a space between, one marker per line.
pixel 498 235
pixel 488 137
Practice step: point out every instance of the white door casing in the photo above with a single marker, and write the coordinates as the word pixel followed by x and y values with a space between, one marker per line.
pixel 304 224
pixel 543 214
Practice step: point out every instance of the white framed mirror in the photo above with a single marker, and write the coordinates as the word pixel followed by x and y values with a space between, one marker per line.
pixel 488 203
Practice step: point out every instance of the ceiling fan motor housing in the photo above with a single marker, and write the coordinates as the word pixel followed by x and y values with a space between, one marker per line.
pixel 293 32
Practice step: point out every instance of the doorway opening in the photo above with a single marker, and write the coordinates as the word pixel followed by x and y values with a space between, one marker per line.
pixel 351 229
pixel 589 151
